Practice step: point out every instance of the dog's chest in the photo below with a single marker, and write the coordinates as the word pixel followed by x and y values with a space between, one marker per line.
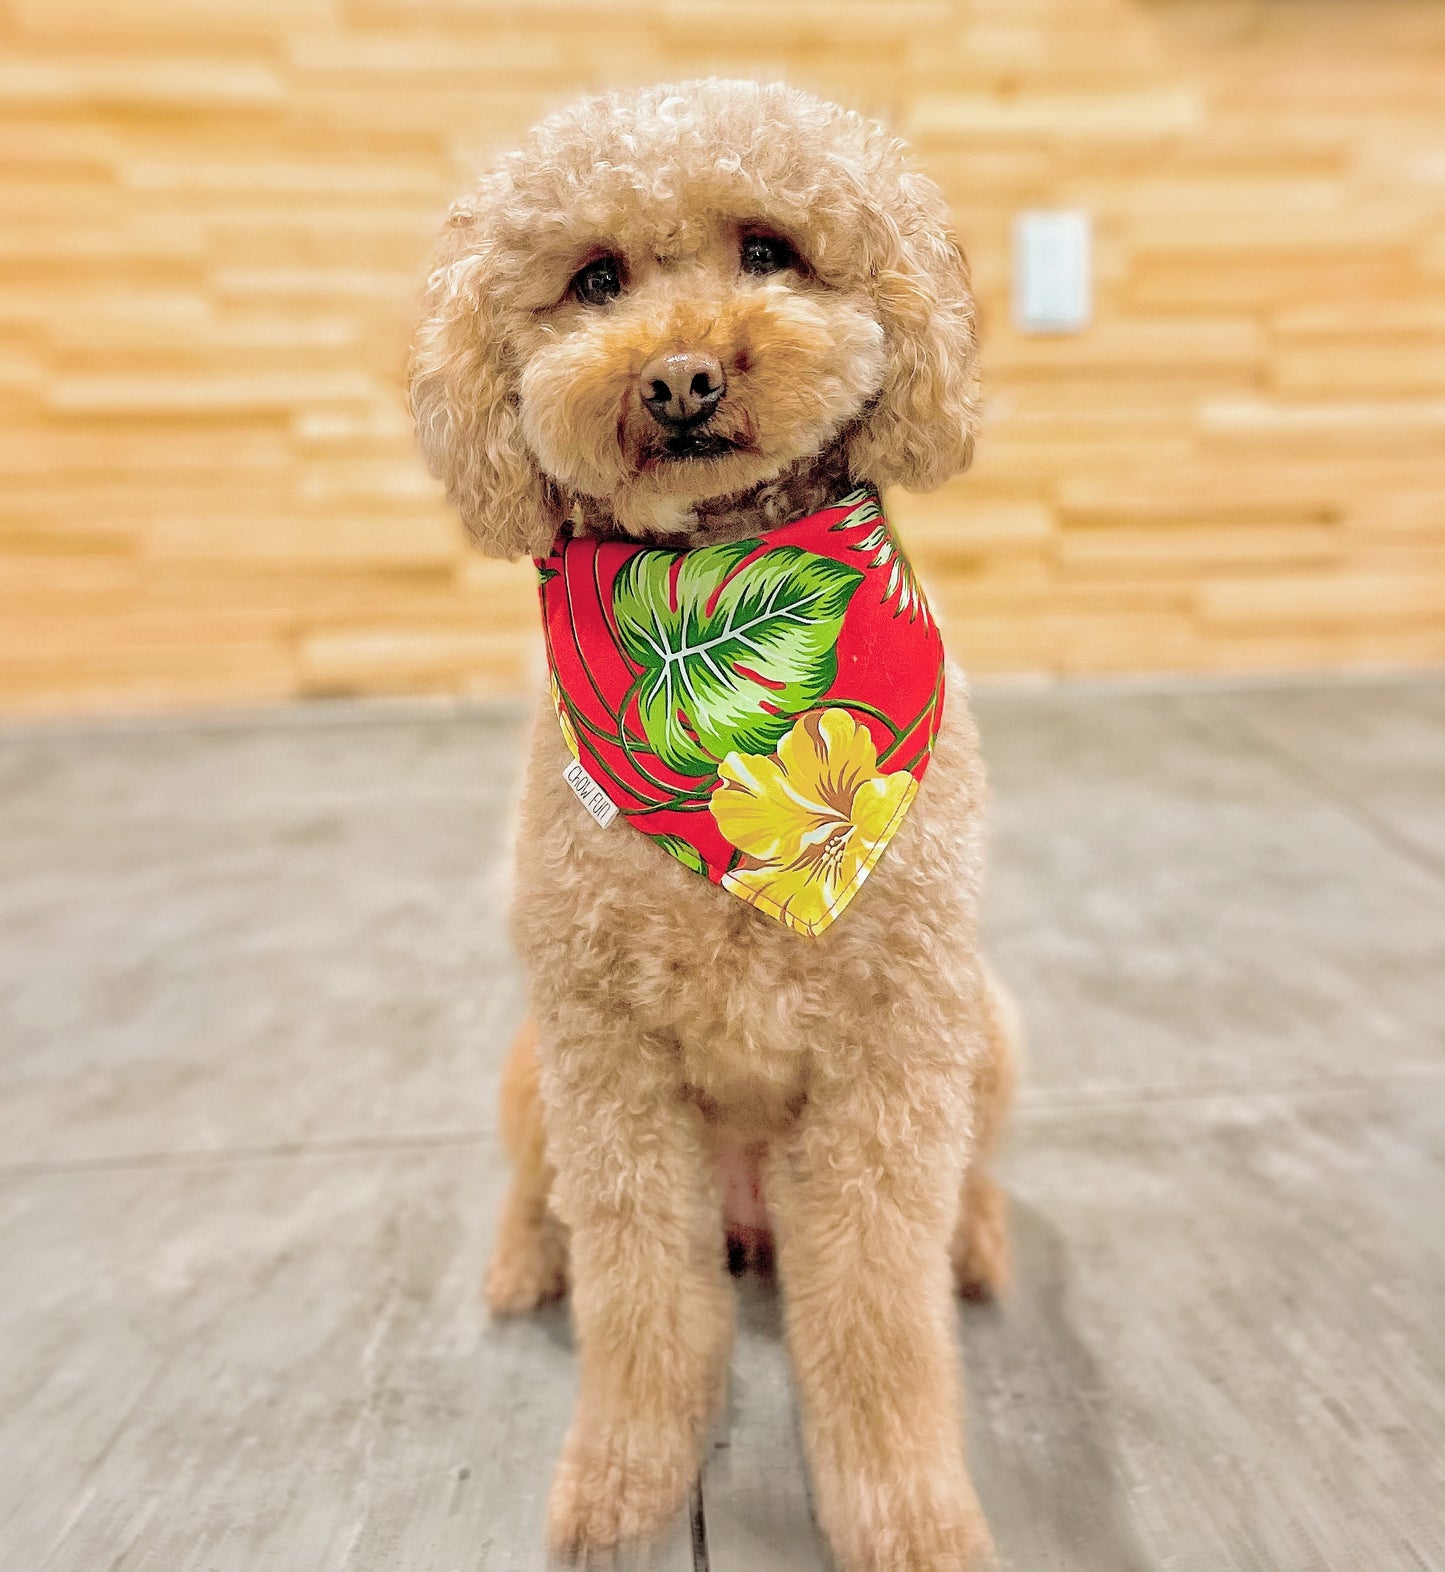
pixel 747 1063
pixel 603 911
pixel 737 993
pixel 752 1008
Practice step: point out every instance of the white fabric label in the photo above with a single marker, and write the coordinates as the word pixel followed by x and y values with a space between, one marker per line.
pixel 590 794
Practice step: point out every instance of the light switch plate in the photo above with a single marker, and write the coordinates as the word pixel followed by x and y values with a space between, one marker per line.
pixel 1053 287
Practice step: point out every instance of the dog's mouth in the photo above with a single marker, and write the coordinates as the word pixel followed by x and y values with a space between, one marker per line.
pixel 650 448
pixel 696 445
pixel 693 444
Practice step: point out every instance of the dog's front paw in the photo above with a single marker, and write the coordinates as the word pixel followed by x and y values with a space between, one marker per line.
pixel 623 1484
pixel 909 1526
pixel 526 1272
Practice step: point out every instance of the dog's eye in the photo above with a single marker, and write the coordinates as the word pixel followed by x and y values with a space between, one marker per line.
pixel 598 282
pixel 767 254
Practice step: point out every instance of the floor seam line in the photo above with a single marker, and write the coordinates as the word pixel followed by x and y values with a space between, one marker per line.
pixel 245 1154
pixel 701 1556
pixel 1246 1091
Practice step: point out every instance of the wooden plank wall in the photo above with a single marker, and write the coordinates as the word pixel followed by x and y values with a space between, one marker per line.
pixel 214 216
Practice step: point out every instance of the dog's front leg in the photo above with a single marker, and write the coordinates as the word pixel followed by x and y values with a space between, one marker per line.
pixel 651 1302
pixel 863 1198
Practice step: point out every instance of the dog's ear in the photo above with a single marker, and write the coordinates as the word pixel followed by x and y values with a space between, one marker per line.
pixel 922 425
pixel 462 392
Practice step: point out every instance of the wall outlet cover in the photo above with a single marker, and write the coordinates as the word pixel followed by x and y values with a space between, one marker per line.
pixel 1053 285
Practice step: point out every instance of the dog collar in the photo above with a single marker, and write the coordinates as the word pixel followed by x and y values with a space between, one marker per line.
pixel 762 710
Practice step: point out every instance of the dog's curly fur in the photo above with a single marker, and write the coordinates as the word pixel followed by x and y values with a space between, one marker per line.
pixel 673 1022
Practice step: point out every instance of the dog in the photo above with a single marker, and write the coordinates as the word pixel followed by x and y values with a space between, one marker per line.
pixel 675 322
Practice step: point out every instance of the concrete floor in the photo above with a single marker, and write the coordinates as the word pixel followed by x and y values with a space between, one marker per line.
pixel 253 996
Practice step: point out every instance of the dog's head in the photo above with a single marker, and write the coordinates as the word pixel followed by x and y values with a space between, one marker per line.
pixel 675 295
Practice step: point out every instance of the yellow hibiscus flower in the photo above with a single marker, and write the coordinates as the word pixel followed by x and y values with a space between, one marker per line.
pixel 569 732
pixel 811 819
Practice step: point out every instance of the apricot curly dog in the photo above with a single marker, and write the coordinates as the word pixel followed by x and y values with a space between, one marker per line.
pixel 672 325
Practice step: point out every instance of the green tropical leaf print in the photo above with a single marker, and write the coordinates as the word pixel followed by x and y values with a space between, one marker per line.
pixel 685 852
pixel 730 654
pixel 882 547
pixel 859 498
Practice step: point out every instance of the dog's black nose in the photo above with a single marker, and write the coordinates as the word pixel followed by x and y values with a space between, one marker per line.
pixel 681 389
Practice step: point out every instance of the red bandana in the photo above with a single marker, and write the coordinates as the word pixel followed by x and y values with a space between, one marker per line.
pixel 762 710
